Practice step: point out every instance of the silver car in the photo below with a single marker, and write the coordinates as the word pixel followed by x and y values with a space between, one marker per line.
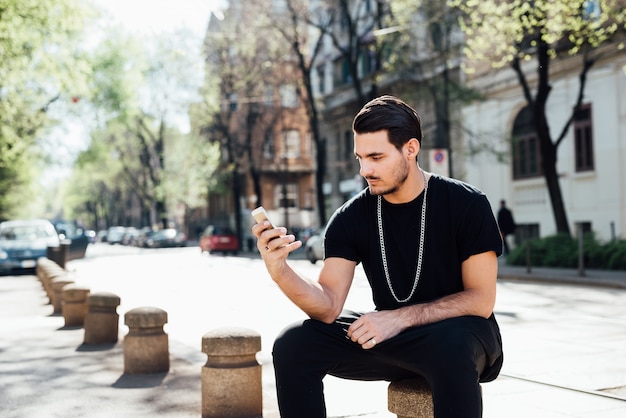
pixel 314 247
pixel 22 242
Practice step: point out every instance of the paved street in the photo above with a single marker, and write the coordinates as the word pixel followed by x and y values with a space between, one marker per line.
pixel 564 345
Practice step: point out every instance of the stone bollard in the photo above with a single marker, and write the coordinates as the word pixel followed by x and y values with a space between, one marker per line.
pixel 43 266
pixel 231 377
pixel 146 348
pixel 102 320
pixel 74 307
pixel 57 284
pixel 46 271
pixel 410 398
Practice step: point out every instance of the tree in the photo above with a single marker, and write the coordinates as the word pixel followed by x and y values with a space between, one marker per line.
pixel 519 34
pixel 248 72
pixel 142 94
pixel 42 64
pixel 363 51
pixel 296 35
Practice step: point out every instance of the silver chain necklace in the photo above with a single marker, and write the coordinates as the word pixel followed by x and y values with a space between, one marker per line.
pixel 420 253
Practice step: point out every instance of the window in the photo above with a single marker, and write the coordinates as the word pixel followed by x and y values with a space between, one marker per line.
pixel 583 139
pixel 341 72
pixel 525 147
pixel 291 145
pixel 320 78
pixel 268 97
pixel 348 145
pixel 289 96
pixel 524 232
pixel 269 146
pixel 286 195
pixel 230 104
pixel 367 63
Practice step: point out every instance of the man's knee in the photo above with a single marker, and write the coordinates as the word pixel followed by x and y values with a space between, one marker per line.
pixel 290 345
pixel 456 348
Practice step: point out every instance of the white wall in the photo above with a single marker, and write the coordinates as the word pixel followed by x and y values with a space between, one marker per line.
pixel 598 197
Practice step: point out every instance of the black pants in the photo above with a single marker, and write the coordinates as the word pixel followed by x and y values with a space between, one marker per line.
pixel 452 355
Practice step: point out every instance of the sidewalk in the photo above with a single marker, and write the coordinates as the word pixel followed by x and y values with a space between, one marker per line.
pixel 47 371
pixel 598 278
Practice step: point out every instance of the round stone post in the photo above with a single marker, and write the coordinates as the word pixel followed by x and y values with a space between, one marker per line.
pixel 74 305
pixel 57 286
pixel 231 377
pixel 410 398
pixel 46 270
pixel 102 320
pixel 146 348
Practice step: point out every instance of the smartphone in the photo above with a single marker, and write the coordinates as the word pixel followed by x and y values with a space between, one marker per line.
pixel 260 215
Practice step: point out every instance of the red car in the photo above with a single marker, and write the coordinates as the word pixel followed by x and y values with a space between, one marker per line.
pixel 219 239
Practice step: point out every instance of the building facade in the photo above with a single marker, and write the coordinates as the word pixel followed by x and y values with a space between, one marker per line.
pixel 591 158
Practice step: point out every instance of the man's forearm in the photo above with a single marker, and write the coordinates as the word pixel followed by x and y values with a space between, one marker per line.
pixel 467 302
pixel 308 295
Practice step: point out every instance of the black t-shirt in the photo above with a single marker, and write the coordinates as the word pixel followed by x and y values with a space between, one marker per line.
pixel 459 224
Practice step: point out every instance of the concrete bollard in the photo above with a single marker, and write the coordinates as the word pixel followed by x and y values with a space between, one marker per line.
pixel 102 320
pixel 410 398
pixel 231 377
pixel 46 271
pixel 57 284
pixel 74 306
pixel 146 348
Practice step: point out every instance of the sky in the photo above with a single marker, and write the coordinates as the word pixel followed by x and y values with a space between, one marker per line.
pixel 152 16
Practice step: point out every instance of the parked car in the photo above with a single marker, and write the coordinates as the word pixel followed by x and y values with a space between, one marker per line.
pixel 129 235
pixel 23 242
pixel 219 239
pixel 101 236
pixel 163 238
pixel 314 247
pixel 144 234
pixel 91 235
pixel 77 236
pixel 114 234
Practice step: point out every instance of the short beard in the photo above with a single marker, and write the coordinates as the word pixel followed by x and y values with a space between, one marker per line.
pixel 400 175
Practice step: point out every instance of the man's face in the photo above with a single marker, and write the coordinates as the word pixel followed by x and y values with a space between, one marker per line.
pixel 383 166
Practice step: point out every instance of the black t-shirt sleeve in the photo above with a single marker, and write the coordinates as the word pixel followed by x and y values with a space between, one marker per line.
pixel 479 229
pixel 343 237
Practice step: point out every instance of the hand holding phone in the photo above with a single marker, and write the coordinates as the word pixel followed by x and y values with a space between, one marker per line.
pixel 260 215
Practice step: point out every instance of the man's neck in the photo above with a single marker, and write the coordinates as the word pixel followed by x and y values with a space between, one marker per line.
pixel 410 189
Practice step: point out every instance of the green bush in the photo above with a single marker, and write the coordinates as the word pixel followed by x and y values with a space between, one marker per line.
pixel 562 251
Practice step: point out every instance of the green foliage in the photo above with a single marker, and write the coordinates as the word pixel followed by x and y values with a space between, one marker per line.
pixel 562 251
pixel 191 169
pixel 499 31
pixel 41 63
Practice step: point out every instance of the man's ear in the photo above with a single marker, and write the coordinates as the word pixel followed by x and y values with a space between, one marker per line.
pixel 412 148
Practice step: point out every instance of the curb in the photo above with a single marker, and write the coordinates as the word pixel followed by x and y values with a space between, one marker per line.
pixel 579 281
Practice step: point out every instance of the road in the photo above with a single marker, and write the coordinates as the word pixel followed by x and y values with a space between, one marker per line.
pixel 558 335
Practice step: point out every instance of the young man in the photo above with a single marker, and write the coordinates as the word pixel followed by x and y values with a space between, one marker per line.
pixel 428 245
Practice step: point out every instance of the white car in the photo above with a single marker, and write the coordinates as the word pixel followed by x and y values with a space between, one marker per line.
pixel 115 234
pixel 314 247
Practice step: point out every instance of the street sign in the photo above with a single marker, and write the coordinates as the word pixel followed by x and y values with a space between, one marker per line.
pixel 438 159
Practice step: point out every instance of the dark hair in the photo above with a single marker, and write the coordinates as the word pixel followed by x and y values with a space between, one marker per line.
pixel 389 113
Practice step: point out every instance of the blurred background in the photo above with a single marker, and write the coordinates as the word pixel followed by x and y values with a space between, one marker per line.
pixel 155 115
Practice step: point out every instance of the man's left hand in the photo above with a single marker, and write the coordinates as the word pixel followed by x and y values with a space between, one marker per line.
pixel 375 327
